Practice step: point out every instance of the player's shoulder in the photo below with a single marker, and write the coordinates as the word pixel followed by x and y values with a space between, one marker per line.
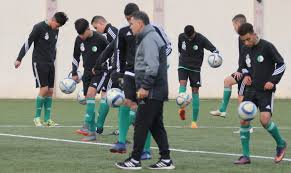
pixel 124 29
pixel 113 28
pixel 182 36
pixel 40 25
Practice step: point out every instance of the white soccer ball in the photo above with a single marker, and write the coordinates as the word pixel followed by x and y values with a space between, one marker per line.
pixel 115 97
pixel 67 85
pixel 80 75
pixel 215 60
pixel 247 110
pixel 183 99
pixel 81 98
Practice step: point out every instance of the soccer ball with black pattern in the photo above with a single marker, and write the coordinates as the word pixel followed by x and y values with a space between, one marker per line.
pixel 247 110
pixel 67 86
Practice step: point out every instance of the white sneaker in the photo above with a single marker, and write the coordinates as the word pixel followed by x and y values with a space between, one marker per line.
pixel 37 122
pixel 238 131
pixel 218 113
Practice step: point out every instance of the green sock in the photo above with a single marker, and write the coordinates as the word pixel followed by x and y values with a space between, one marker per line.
pixel 226 97
pixel 103 111
pixel 38 106
pixel 147 145
pixel 123 123
pixel 47 108
pixel 182 89
pixel 90 114
pixel 274 131
pixel 245 139
pixel 131 116
pixel 195 106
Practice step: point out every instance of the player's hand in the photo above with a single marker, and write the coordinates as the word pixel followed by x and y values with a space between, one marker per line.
pixel 93 71
pixel 247 80
pixel 75 78
pixel 268 86
pixel 17 64
pixel 237 75
pixel 142 93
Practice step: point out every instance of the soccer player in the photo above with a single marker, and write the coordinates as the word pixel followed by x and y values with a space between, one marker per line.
pixel 44 35
pixel 101 25
pixel 262 68
pixel 152 87
pixel 90 45
pixel 234 78
pixel 191 45
pixel 124 64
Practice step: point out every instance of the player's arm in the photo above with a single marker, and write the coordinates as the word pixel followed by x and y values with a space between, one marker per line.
pixel 32 37
pixel 113 33
pixel 209 46
pixel 165 39
pixel 179 44
pixel 76 60
pixel 119 59
pixel 280 66
pixel 107 51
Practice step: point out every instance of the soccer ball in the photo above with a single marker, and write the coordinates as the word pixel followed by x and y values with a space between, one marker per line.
pixel 214 60
pixel 67 85
pixel 247 110
pixel 81 98
pixel 80 75
pixel 183 99
pixel 115 97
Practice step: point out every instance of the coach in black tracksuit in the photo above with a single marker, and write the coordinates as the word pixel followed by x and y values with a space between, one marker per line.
pixel 44 36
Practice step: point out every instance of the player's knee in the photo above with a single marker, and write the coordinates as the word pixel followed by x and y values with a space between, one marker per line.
pixel 195 90
pixel 91 93
pixel 265 118
pixel 183 82
pixel 245 123
pixel 227 82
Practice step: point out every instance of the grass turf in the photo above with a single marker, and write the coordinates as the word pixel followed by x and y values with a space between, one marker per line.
pixel 215 135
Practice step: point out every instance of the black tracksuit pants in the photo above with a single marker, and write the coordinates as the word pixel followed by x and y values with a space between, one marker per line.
pixel 149 117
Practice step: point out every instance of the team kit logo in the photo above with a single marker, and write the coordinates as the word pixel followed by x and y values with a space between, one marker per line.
pixel 260 58
pixel 184 45
pixel 94 49
pixel 248 60
pixel 46 36
pixel 195 47
pixel 82 47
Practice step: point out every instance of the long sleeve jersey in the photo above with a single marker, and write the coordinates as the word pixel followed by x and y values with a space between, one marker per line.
pixel 263 63
pixel 90 49
pixel 192 51
pixel 44 39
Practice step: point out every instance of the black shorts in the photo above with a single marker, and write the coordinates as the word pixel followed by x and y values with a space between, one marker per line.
pixel 194 77
pixel 240 85
pixel 264 100
pixel 98 81
pixel 129 88
pixel 44 74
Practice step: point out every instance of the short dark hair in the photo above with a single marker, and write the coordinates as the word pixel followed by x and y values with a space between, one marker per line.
pixel 61 18
pixel 239 18
pixel 245 29
pixel 189 30
pixel 130 8
pixel 97 19
pixel 81 25
pixel 140 15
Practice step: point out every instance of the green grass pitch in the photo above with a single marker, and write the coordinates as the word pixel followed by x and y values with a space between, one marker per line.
pixel 44 155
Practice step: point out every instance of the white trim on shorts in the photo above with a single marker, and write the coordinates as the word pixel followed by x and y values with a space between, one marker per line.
pixel 36 74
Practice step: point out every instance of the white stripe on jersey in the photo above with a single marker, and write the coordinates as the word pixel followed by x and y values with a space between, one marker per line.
pixel 111 33
pixel 279 70
pixel 75 62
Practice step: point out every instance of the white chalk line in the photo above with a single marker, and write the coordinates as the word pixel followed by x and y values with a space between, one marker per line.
pixel 106 144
